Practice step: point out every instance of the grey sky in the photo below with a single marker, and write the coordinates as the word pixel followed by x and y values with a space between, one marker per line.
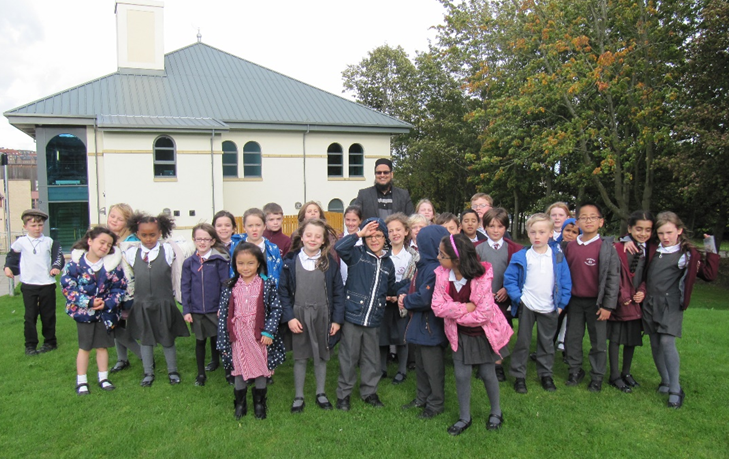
pixel 51 45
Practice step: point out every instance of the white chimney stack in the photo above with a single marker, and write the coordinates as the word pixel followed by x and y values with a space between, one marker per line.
pixel 139 36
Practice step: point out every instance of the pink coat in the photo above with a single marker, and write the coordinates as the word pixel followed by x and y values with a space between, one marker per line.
pixel 486 315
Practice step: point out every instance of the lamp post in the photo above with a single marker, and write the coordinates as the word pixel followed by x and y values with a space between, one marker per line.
pixel 6 209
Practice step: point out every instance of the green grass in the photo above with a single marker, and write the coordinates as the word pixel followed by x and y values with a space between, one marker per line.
pixel 41 417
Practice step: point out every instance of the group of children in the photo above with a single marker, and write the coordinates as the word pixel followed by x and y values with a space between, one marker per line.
pixel 403 282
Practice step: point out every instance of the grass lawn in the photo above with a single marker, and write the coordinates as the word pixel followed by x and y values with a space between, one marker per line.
pixel 41 416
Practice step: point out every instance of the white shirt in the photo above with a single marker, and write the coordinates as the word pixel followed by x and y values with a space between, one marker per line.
pixel 131 253
pixel 206 255
pixel 400 261
pixel 492 243
pixel 581 242
pixel 537 292
pixel 35 268
pixel 309 262
pixel 682 262
pixel 555 234
pixel 96 267
pixel 458 283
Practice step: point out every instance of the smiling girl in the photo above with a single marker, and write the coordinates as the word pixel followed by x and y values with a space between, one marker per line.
pixel 94 285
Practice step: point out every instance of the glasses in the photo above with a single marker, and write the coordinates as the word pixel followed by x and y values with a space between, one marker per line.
pixel 443 256
pixel 593 218
pixel 203 239
pixel 480 206
pixel 382 172
pixel 376 237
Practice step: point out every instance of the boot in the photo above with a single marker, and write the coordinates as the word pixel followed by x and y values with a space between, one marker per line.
pixel 240 403
pixel 259 403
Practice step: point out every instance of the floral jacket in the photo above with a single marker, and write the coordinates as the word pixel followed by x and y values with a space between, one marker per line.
pixel 81 285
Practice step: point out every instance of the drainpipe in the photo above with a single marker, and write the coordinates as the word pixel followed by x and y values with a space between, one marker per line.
pixel 96 164
pixel 304 142
pixel 212 169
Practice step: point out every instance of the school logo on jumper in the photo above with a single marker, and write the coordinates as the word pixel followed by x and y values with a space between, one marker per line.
pixel 590 262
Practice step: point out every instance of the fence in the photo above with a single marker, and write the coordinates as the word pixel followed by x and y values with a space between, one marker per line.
pixel 291 223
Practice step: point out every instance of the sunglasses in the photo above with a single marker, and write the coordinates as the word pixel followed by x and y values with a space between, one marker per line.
pixel 382 172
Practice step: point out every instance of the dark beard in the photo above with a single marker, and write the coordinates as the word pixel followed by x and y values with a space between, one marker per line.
pixel 383 188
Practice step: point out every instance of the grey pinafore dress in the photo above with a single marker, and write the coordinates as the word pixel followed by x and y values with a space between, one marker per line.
pixel 155 317
pixel 662 307
pixel 312 310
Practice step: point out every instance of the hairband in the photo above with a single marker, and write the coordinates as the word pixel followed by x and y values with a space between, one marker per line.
pixel 453 243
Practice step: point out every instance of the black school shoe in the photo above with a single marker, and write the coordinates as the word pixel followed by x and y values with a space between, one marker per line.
pixel 300 407
pixel 30 351
pixel 343 403
pixel 520 386
pixel 212 366
pixel 119 366
pixel 678 404
pixel 47 348
pixel 459 427
pixel 576 378
pixel 548 384
pixel 500 375
pixel 595 386
pixel 495 422
pixel 619 384
pixel 200 380
pixel 628 379
pixel 323 402
pixel 373 400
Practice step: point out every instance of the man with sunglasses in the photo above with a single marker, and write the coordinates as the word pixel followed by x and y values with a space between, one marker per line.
pixel 383 199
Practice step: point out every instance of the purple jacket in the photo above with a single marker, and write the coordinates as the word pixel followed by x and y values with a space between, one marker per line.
pixel 201 285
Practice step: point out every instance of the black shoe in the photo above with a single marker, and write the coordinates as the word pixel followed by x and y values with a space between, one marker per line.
pixel 212 366
pixel 520 386
pixel 548 384
pixel 80 392
pixel 30 351
pixel 399 378
pixel 298 408
pixel 384 374
pixel 392 357
pixel 119 366
pixel 147 380
pixel 200 380
pixel 373 400
pixel 240 403
pixel 343 403
pixel 576 378
pixel 413 404
pixel 230 378
pixel 411 365
pixel 459 427
pixel 676 405
pixel 106 385
pixel 47 348
pixel 174 377
pixel 259 403
pixel 595 386
pixel 500 375
pixel 324 405
pixel 662 388
pixel 427 413
pixel 619 384
pixel 495 421
pixel 628 379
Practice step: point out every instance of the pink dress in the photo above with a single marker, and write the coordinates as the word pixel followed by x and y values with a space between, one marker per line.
pixel 250 357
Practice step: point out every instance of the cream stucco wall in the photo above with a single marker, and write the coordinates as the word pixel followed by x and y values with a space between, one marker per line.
pixel 20 200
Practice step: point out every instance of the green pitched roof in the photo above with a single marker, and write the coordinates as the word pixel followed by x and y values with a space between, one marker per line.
pixel 201 88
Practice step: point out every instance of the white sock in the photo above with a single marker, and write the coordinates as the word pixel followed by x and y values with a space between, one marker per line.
pixel 103 375
pixel 82 379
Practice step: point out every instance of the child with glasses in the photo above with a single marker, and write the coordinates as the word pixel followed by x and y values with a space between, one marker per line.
pixel 204 275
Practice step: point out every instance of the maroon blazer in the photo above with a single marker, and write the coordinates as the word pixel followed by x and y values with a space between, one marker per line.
pixel 627 309
pixel 706 270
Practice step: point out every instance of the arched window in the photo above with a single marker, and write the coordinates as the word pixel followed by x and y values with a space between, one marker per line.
pixel 351 203
pixel 66 161
pixel 252 160
pixel 165 157
pixel 356 160
pixel 335 161
pixel 335 205
pixel 230 159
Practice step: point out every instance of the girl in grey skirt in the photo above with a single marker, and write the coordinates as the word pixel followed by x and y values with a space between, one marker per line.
pixel 94 285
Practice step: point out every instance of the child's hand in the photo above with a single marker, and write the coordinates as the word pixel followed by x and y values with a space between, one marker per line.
pixel 335 328
pixel 401 301
pixel 266 341
pixel 368 230
pixel 391 299
pixel 603 314
pixel 639 297
pixel 501 295
pixel 9 273
pixel 55 272
pixel 98 304
pixel 188 318
pixel 295 326
pixel 470 307
pixel 630 247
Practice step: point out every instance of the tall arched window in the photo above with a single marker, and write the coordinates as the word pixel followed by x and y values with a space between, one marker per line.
pixel 335 205
pixel 356 160
pixel 66 161
pixel 230 159
pixel 252 160
pixel 335 161
pixel 165 157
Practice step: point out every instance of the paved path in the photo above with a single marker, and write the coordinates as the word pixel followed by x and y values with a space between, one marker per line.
pixel 4 281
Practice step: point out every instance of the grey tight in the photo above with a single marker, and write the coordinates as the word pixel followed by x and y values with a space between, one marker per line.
pixel 320 373
pixel 148 358
pixel 668 362
pixel 241 383
pixel 487 373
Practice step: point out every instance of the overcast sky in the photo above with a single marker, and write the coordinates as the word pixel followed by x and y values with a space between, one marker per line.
pixel 47 46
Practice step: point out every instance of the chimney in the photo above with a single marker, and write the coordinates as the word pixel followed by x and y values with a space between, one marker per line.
pixel 139 36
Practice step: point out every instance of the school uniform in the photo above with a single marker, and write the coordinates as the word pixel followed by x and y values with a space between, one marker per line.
pixel 595 273
pixel 625 326
pixel 498 254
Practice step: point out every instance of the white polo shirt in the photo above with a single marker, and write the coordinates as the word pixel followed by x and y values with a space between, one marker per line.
pixel 539 283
